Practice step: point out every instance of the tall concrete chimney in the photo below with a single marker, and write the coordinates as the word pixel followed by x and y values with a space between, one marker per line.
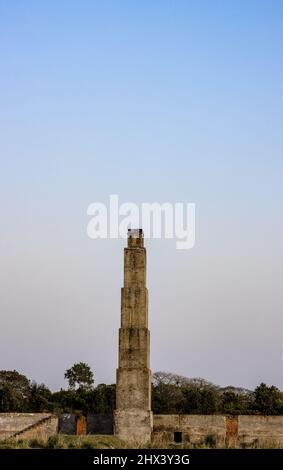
pixel 133 415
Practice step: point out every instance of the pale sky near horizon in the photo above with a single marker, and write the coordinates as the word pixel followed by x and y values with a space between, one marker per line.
pixel 154 101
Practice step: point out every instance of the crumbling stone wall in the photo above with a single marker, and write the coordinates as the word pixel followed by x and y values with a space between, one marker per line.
pixel 194 429
pixel 213 430
pixel 220 431
pixel 27 425
pixel 70 423
pixel 99 424
pixel 260 431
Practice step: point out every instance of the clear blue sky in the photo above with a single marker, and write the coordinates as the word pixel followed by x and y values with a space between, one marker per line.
pixel 154 101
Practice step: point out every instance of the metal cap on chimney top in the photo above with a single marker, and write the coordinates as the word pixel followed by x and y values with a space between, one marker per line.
pixel 135 237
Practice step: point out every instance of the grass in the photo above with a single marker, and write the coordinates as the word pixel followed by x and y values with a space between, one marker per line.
pixel 63 441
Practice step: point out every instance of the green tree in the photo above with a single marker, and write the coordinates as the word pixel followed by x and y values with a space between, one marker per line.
pixel 231 403
pixel 80 376
pixel 40 398
pixel 209 401
pixel 106 398
pixel 8 400
pixel 14 391
pixel 69 401
pixel 192 400
pixel 167 399
pixel 268 400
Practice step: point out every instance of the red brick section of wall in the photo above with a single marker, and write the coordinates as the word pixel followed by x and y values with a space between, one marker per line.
pixel 80 425
pixel 231 431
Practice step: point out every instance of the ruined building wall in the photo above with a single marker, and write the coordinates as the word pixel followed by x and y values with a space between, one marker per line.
pixel 27 425
pixel 220 431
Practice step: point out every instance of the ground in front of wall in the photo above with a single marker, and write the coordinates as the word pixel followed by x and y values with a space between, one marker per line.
pixel 63 441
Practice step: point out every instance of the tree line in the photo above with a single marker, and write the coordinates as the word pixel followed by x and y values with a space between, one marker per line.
pixel 171 394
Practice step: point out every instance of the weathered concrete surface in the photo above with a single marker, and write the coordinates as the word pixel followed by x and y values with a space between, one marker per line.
pixel 199 428
pixel 133 390
pixel 99 424
pixel 195 429
pixel 133 416
pixel 260 430
pixel 134 425
pixel 228 431
pixel 166 423
pixel 27 425
pixel 67 423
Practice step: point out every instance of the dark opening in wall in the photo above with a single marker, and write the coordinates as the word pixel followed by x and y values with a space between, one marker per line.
pixel 178 437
